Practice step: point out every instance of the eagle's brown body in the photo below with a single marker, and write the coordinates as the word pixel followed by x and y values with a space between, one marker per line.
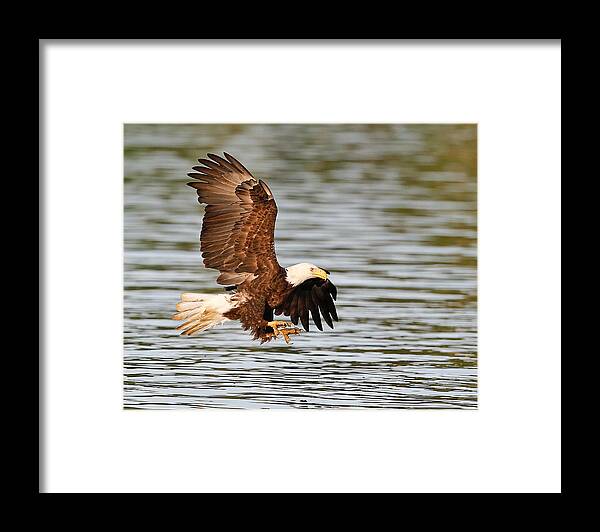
pixel 260 297
pixel 237 238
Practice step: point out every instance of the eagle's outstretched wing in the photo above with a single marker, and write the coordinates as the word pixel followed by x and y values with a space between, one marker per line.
pixel 237 235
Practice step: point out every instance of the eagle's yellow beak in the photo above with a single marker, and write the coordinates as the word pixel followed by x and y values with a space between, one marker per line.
pixel 321 274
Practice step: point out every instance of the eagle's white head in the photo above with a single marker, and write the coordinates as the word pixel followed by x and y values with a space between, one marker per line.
pixel 298 273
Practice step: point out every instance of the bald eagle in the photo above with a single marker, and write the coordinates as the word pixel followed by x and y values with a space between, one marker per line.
pixel 238 239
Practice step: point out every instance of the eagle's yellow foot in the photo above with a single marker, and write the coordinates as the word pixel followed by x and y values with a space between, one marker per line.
pixel 285 328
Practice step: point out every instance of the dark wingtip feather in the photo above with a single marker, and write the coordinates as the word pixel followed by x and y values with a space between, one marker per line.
pixel 316 317
pixel 304 320
pixel 333 290
pixel 325 303
pixel 333 313
pixel 303 310
pixel 314 310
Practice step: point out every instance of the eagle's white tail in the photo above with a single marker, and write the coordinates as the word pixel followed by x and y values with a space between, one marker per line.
pixel 202 311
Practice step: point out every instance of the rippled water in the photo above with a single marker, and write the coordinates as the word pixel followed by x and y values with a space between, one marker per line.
pixel 390 210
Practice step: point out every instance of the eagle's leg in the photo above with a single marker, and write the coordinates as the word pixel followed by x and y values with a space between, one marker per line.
pixel 278 324
pixel 285 328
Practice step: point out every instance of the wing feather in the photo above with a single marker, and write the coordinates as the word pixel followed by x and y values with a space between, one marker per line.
pixel 322 304
pixel 237 236
pixel 314 310
pixel 314 296
pixel 225 164
pixel 325 290
pixel 303 309
pixel 294 308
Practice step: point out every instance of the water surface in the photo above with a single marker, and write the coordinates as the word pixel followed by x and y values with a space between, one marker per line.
pixel 390 210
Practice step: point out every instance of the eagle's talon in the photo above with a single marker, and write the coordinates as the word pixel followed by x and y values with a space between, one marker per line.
pixel 287 332
pixel 285 328
pixel 280 323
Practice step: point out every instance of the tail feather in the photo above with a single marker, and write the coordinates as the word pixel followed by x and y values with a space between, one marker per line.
pixel 185 314
pixel 189 305
pixel 190 296
pixel 201 311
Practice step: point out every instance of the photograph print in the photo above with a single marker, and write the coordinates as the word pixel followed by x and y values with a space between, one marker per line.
pixel 300 266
